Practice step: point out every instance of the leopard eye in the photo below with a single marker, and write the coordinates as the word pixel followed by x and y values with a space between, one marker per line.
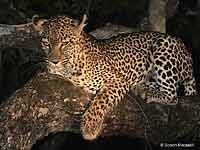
pixel 45 45
pixel 66 42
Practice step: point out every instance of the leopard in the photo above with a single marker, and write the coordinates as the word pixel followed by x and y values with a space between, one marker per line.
pixel 150 63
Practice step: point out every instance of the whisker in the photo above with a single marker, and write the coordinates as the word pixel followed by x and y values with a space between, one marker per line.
pixel 35 66
pixel 38 59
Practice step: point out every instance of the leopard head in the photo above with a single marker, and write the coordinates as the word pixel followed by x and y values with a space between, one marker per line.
pixel 61 40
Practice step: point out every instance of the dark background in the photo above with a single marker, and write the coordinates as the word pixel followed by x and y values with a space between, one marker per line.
pixel 17 69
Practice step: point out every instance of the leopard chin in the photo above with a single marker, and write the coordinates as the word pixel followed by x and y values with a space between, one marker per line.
pixel 57 69
pixel 60 70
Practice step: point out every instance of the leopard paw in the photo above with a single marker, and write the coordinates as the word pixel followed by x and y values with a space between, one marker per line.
pixel 142 91
pixel 91 127
pixel 163 99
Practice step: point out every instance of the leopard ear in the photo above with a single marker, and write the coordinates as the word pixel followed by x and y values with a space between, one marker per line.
pixel 39 24
pixel 80 27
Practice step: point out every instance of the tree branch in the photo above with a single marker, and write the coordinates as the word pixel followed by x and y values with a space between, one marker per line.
pixel 157 15
pixel 18 36
pixel 47 104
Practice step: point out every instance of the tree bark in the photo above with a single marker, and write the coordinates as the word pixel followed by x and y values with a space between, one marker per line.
pixel 1 69
pixel 47 104
pixel 157 15
pixel 18 36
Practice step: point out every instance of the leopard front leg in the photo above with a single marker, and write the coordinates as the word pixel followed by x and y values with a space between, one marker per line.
pixel 106 100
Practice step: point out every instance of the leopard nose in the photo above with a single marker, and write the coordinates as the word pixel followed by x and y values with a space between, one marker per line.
pixel 55 61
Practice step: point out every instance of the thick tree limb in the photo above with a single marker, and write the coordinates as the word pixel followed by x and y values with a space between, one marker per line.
pixel 47 104
pixel 18 36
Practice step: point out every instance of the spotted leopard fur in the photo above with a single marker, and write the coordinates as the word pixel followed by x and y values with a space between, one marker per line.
pixel 151 62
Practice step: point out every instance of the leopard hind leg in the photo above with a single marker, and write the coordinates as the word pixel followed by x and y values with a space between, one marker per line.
pixel 162 89
pixel 190 87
